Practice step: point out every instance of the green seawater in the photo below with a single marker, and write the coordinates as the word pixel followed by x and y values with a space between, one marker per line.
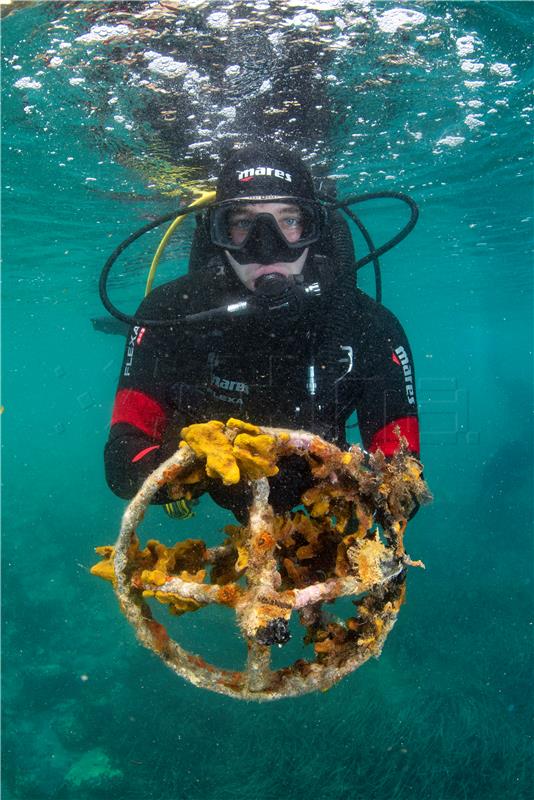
pixel 437 106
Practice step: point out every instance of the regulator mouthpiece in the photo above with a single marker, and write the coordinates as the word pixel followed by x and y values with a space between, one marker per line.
pixel 276 294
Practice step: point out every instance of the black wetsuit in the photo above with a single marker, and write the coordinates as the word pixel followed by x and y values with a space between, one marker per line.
pixel 347 354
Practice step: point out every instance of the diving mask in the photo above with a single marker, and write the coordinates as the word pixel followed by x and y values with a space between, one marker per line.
pixel 265 229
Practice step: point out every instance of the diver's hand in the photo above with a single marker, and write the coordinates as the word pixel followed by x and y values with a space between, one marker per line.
pixel 285 489
pixel 236 499
pixel 288 486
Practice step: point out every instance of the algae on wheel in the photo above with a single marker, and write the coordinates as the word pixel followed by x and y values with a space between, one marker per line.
pixel 275 564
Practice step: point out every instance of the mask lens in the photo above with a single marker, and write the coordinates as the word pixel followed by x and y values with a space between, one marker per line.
pixel 234 223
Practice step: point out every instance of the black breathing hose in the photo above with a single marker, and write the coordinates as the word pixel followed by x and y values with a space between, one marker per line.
pixel 373 255
pixel 104 275
pixel 374 252
pixel 402 234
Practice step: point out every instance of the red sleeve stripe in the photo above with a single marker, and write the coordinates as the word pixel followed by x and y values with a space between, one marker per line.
pixel 386 440
pixel 138 409
pixel 144 452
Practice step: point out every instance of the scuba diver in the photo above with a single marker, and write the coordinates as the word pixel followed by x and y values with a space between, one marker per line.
pixel 278 334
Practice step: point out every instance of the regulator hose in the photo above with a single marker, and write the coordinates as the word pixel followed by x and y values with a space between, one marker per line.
pixel 344 205
pixel 131 319
pixel 376 252
pixel 402 234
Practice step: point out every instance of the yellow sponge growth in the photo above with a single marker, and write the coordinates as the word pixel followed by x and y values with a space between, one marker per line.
pixel 104 569
pixel 256 455
pixel 207 439
pixel 228 455
pixel 244 427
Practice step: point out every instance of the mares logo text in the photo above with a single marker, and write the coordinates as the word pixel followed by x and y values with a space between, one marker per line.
pixel 408 375
pixel 231 386
pixel 248 174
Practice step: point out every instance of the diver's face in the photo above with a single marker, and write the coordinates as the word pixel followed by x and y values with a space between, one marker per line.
pixel 288 218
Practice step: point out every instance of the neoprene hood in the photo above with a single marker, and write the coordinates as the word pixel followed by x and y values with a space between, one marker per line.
pixel 264 170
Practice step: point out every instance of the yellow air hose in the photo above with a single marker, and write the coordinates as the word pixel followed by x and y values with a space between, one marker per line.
pixel 204 199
